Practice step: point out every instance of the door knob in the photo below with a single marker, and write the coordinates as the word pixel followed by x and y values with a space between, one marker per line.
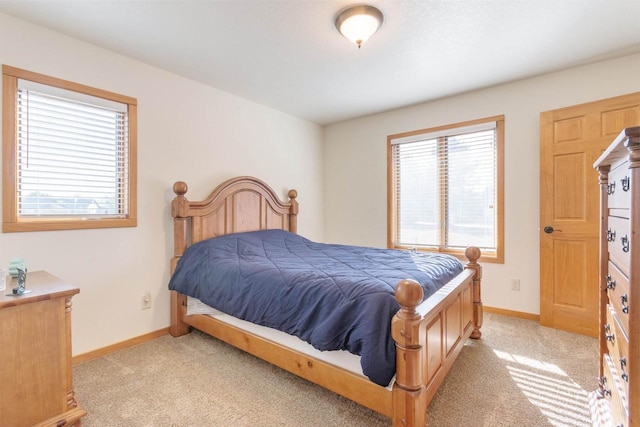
pixel 548 229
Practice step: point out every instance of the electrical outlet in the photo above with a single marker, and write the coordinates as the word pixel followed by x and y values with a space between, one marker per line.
pixel 146 300
pixel 515 284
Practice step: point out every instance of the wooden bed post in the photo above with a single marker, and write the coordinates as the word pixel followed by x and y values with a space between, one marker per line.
pixel 409 402
pixel 180 213
pixel 293 213
pixel 473 254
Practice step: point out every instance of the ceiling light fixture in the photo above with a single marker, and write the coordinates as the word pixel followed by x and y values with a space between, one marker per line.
pixel 358 23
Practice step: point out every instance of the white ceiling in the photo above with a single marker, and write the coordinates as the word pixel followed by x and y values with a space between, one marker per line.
pixel 287 54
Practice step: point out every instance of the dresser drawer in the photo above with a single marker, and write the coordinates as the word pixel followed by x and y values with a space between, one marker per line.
pixel 618 347
pixel 619 295
pixel 613 393
pixel 619 243
pixel 619 187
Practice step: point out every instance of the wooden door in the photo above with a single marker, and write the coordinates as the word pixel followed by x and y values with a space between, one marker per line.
pixel 571 140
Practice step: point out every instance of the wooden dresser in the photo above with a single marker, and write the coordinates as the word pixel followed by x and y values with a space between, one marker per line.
pixel 617 401
pixel 35 354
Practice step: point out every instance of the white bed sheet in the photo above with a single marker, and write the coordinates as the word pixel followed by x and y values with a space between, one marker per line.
pixel 340 358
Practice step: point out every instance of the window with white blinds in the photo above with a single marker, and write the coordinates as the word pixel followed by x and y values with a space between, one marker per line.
pixel 72 157
pixel 445 188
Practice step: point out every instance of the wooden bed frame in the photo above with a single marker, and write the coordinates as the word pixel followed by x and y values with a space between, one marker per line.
pixel 429 335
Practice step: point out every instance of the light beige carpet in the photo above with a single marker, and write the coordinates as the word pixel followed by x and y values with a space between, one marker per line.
pixel 518 374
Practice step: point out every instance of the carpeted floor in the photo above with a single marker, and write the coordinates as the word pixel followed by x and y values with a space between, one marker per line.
pixel 518 374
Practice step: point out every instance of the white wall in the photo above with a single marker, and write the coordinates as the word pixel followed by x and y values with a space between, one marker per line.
pixel 355 165
pixel 186 131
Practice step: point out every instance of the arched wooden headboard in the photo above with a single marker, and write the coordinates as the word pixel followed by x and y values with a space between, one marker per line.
pixel 237 205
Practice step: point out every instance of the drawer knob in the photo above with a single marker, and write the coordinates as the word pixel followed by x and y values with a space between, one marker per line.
pixel 611 284
pixel 624 300
pixel 623 364
pixel 626 182
pixel 611 235
pixel 607 333
pixel 603 386
pixel 602 382
pixel 625 243
pixel 611 188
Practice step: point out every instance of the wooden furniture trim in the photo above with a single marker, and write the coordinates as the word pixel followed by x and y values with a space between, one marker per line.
pixel 103 351
pixel 603 174
pixel 632 144
pixel 493 257
pixel 71 417
pixel 627 143
pixel 454 312
pixel 47 287
pixel 512 313
pixel 10 220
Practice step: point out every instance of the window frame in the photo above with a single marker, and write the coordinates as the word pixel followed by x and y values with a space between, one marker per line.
pixel 496 256
pixel 11 221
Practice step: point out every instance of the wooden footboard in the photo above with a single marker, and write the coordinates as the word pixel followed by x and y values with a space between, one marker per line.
pixel 429 335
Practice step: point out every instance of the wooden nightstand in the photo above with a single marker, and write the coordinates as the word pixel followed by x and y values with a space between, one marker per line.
pixel 35 354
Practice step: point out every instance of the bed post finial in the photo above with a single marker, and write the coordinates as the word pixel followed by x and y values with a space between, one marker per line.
pixel 293 213
pixel 180 188
pixel 409 295
pixel 409 402
pixel 179 205
pixel 473 255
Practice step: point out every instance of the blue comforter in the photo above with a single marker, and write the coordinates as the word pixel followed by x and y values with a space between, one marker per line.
pixel 335 297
